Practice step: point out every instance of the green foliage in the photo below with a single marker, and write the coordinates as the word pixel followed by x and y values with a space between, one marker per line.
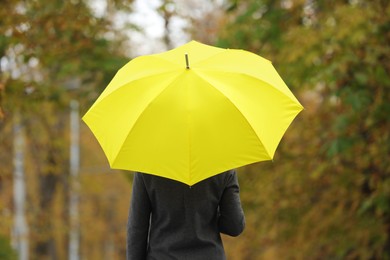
pixel 6 252
pixel 58 51
pixel 329 192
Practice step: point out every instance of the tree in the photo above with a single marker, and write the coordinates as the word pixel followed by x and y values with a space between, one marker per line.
pixel 46 47
pixel 327 193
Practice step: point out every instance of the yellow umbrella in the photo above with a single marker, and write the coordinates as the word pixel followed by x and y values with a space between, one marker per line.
pixel 192 112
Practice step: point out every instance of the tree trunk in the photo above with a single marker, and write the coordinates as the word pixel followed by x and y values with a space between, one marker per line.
pixel 20 230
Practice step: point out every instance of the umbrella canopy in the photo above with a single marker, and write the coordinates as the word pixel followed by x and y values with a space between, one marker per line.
pixel 192 112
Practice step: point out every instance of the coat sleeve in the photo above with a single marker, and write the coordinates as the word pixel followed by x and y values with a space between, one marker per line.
pixel 138 220
pixel 231 215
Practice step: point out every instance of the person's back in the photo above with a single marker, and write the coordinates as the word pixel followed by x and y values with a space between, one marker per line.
pixel 170 220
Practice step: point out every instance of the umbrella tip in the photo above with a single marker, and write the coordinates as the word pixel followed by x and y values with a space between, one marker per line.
pixel 187 62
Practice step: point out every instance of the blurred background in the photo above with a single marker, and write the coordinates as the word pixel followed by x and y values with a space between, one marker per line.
pixel 326 195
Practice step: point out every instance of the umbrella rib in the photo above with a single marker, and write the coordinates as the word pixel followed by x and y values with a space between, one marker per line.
pixel 299 107
pixel 256 78
pixel 294 99
pixel 129 82
pixel 189 140
pixel 239 72
pixel 239 111
pixel 143 111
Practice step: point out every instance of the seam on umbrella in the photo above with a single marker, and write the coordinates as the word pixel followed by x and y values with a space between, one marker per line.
pixel 298 108
pixel 243 73
pixel 189 139
pixel 116 90
pixel 239 111
pixel 129 82
pixel 296 101
pixel 143 111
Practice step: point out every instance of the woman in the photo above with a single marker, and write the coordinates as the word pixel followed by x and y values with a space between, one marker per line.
pixel 171 220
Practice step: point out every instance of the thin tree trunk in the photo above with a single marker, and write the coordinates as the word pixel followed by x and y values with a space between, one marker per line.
pixel 20 230
pixel 74 233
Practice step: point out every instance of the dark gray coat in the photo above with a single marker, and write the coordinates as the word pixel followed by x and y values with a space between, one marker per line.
pixel 170 220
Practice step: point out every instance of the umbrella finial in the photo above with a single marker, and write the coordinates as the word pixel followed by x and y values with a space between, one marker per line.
pixel 187 62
